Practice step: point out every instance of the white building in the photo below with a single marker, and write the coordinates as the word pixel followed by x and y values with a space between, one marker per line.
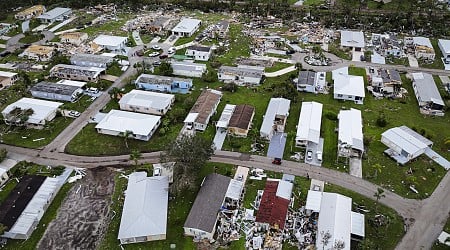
pixel 3 176
pixel 204 108
pixel 146 102
pixel 56 14
pixel 309 122
pixel 444 45
pixel 91 60
pixel 350 136
pixel 189 69
pixel 7 78
pixel 117 122
pixel 275 118
pixel 241 75
pixel 186 27
pixel 348 87
pixel 199 53
pixel 225 117
pixel 43 111
pixel 404 144
pixel 144 215
pixel 74 72
pixel 427 94
pixel 353 40
pixel 423 49
pixel 112 43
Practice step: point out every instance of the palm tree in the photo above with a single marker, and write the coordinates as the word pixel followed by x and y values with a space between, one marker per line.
pixel 135 156
pixel 377 167
pixel 378 195
pixel 2 228
pixel 126 135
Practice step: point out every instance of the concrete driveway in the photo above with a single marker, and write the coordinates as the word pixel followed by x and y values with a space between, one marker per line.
pixel 276 146
pixel 314 147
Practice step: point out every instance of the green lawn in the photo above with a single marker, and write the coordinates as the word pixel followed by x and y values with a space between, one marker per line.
pixel 277 66
pixel 111 27
pixel 31 38
pixel 334 48
pixel 239 46
pixel 437 63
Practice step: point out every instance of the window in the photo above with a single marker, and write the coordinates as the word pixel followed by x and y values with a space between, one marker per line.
pixel 339 95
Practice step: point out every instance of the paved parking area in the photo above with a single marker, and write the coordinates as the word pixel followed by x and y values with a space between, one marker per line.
pixel 219 138
pixel 356 167
pixel 315 148
pixel 276 146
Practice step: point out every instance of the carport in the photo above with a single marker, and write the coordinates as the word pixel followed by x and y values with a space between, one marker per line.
pixel 276 146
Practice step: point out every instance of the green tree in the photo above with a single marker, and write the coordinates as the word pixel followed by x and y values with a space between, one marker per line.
pixel 209 76
pixel 378 195
pixel 2 228
pixel 190 152
pixel 127 134
pixel 135 156
pixel 165 69
pixel 377 168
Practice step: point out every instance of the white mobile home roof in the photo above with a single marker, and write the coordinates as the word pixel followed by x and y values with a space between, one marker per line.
pixel 445 46
pixel 226 116
pixel 352 39
pixel 105 40
pixel 54 13
pixel 313 200
pixel 234 189
pixel 121 121
pixel 284 189
pixel 350 128
pixel 277 106
pixel 422 41
pixel 188 66
pixel 145 206
pixel 7 74
pixel 335 218
pixel 309 122
pixel 79 84
pixel 358 224
pixel 191 117
pixel 349 85
pixel 147 99
pixel 426 88
pixel 186 25
pixel 340 71
pixel 405 140
pixel 42 109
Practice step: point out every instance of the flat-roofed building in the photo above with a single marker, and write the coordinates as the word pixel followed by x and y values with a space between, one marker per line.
pixel 56 14
pixel 186 27
pixel 56 91
pixel 241 120
pixel 427 94
pixel 348 87
pixel 444 45
pixel 30 12
pixel 146 102
pixel 423 49
pixel 350 135
pixel 91 60
pixel 309 123
pixel 274 203
pixel 199 53
pixel 204 108
pixel 163 84
pixel 144 215
pixel 275 118
pixel 7 78
pixel 75 38
pixel 188 69
pixel 353 40
pixel 74 72
pixel 112 43
pixel 117 122
pixel 241 75
pixel 43 112
pixel 38 52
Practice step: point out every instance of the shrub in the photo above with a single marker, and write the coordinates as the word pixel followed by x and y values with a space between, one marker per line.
pixel 331 116
pixel 381 121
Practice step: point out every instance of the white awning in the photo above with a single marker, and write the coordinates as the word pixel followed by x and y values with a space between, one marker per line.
pixel 190 118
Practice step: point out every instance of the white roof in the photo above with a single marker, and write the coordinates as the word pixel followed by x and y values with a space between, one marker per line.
pixel 334 218
pixel 284 189
pixel 114 41
pixel 186 25
pixel 277 106
pixel 234 189
pixel 7 74
pixel 426 88
pixel 404 140
pixel 422 41
pixel 79 84
pixel 340 71
pixel 36 207
pixel 42 109
pixel 188 66
pixel 352 39
pixel 2 171
pixel 443 238
pixel 445 46
pixel 313 200
pixel 358 224
pixel 350 128
pixel 121 121
pixel 226 116
pixel 349 85
pixel 148 99
pixel 242 171
pixel 54 13
pixel 145 206
pixel 309 122
pixel 191 117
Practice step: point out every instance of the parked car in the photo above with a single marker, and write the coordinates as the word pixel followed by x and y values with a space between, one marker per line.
pixel 171 50
pixel 156 47
pixel 309 155
pixel 319 155
pixel 74 113
pixel 276 161
pixel 156 63
pixel 153 54
pixel 92 90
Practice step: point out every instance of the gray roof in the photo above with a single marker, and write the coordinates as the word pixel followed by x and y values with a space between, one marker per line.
pixel 54 13
pixel 163 80
pixel 203 214
pixel 188 66
pixel 199 48
pixel 306 77
pixel 91 58
pixel 248 72
pixel 159 21
pixel 426 88
pixel 223 25
pixel 50 87
pixel 390 75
